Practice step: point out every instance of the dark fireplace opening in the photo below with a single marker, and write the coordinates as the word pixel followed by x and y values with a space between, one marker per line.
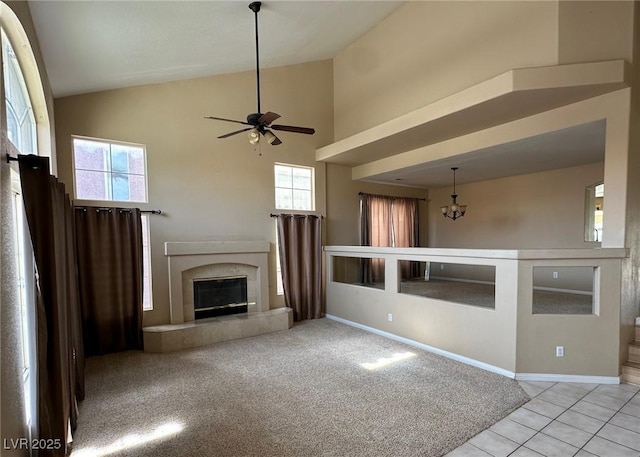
pixel 219 296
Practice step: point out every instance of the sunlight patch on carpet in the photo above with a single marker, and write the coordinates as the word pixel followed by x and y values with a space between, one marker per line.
pixel 386 361
pixel 132 440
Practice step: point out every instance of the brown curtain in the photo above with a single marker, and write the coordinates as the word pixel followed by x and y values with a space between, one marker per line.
pixel 404 220
pixel 109 245
pixel 300 244
pixel 59 337
pixel 388 222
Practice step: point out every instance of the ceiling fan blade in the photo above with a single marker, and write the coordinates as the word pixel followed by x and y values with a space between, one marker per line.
pixel 226 135
pixel 291 128
pixel 227 120
pixel 268 117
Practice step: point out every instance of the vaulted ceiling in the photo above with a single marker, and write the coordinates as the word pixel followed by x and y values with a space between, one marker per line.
pixel 90 46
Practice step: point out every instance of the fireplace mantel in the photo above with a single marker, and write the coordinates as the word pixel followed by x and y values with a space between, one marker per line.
pixel 179 248
pixel 187 255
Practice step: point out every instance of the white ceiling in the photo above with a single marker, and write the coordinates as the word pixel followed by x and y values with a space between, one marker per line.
pixel 92 45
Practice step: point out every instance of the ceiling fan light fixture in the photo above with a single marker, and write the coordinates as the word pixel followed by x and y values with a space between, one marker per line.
pixel 270 136
pixel 254 136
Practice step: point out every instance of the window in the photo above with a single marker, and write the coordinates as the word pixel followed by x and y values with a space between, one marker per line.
pixel 294 187
pixel 108 170
pixel 594 212
pixel 21 123
pixel 147 303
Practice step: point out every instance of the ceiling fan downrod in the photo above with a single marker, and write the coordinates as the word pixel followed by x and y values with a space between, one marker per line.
pixel 255 7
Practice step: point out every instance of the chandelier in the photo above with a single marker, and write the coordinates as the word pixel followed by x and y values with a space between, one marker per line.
pixel 454 211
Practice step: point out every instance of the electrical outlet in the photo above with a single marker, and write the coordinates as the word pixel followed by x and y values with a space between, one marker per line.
pixel 555 275
pixel 559 351
pixel 442 266
pixel 390 317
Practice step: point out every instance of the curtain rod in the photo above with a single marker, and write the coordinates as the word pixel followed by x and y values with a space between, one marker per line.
pixel 314 215
pixel 106 208
pixel 393 196
pixel 31 159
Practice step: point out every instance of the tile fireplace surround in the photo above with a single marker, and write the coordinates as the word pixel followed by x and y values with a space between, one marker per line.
pixel 209 259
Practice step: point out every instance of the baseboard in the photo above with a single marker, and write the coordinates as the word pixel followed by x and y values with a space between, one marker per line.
pixel 425 347
pixel 567 378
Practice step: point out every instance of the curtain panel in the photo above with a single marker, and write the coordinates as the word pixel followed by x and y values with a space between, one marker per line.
pixel 109 246
pixel 60 367
pixel 387 221
pixel 300 249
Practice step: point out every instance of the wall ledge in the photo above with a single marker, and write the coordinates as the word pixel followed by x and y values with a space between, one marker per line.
pixel 510 254
pixel 512 95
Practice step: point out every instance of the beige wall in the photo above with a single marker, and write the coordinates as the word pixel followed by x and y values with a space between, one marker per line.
pixel 537 210
pixel 207 188
pixel 590 31
pixel 425 51
pixel 590 341
pixel 343 210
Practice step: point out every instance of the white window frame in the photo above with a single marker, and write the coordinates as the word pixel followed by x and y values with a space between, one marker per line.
pixel 147 295
pixel 292 188
pixel 109 172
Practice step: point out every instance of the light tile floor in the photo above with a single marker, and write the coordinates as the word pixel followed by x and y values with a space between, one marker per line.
pixel 565 419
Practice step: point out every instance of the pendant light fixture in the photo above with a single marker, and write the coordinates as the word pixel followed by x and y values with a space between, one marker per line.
pixel 455 211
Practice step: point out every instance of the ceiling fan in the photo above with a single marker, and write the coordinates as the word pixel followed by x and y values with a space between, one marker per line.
pixel 259 123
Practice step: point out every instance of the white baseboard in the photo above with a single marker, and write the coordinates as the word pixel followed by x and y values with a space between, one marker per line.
pixel 567 378
pixel 425 347
pixel 482 365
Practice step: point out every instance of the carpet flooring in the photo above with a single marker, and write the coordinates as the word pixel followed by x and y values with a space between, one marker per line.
pixel 319 389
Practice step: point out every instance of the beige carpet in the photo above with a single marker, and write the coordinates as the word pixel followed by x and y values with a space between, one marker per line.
pixel 300 392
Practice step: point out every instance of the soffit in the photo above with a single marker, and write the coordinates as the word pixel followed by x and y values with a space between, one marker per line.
pixel 513 95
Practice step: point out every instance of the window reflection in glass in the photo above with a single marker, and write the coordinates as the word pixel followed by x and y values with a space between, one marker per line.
pixel 594 212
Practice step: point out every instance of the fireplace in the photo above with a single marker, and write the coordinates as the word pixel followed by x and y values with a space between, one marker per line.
pixel 219 296
pixel 189 261
pixel 192 261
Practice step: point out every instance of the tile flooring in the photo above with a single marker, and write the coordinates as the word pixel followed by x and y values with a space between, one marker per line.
pixel 565 419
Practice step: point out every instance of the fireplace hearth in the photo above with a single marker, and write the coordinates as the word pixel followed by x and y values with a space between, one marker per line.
pixel 219 296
